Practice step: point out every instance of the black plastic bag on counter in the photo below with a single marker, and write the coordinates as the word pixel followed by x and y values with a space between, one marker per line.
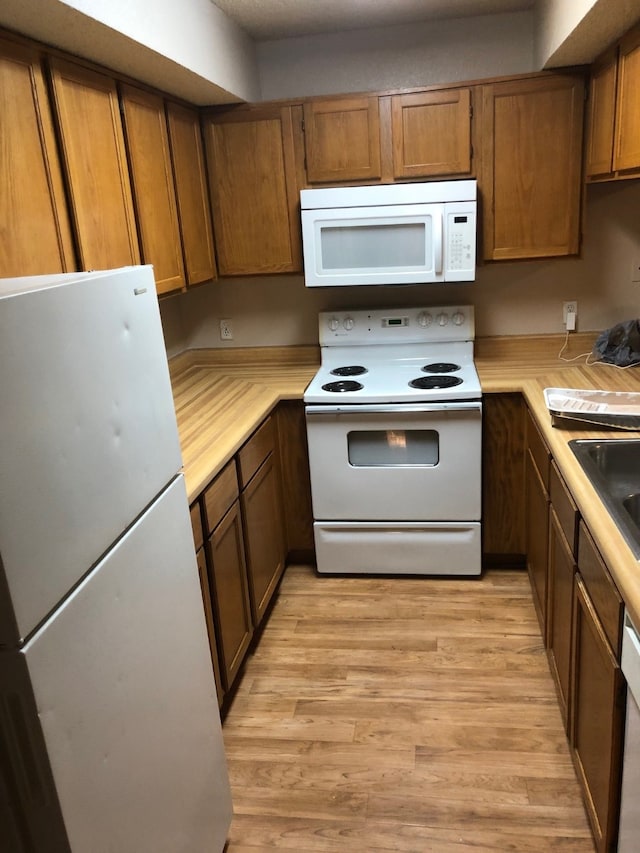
pixel 620 344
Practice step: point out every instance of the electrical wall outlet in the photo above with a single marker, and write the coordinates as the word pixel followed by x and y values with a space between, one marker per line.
pixel 226 330
pixel 570 315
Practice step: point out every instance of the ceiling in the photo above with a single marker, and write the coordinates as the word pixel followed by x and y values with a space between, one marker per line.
pixel 279 19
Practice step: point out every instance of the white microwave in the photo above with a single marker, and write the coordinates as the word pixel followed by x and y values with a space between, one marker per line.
pixel 389 234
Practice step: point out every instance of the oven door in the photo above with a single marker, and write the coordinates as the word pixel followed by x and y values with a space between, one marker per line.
pixel 407 462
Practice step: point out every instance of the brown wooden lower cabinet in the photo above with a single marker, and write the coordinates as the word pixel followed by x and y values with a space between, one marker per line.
pixel 562 567
pixel 296 481
pixel 208 615
pixel 264 543
pixel 597 701
pixel 228 578
pixel 503 505
pixel 581 615
pixel 240 514
pixel 537 520
pixel 563 548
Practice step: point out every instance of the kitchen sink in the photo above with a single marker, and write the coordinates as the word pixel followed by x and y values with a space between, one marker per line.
pixel 613 468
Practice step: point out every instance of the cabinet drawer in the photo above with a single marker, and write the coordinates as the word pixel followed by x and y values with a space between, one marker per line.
pixel 219 496
pixel 196 524
pixel 539 450
pixel 255 451
pixel 602 590
pixel 565 509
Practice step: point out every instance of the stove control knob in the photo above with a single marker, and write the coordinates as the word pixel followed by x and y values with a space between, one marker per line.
pixel 424 319
pixel 443 319
pixel 333 324
pixel 458 318
pixel 348 323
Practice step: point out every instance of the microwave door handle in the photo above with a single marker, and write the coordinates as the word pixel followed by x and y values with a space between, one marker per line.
pixel 437 242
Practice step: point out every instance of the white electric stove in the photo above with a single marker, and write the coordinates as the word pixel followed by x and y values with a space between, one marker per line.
pixel 394 426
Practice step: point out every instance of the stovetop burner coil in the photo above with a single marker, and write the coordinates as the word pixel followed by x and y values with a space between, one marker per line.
pixel 343 385
pixel 429 382
pixel 349 370
pixel 440 367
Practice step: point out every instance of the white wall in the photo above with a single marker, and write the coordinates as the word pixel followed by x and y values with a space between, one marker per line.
pixel 188 48
pixel 397 57
pixel 513 298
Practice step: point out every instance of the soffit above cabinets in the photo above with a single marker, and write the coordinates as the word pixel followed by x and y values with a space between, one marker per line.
pixel 278 19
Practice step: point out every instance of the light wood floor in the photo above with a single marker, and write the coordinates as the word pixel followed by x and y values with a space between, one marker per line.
pixel 401 715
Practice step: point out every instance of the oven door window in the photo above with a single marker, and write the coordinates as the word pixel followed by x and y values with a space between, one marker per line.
pixel 393 448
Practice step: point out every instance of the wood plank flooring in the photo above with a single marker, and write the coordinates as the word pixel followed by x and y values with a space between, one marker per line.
pixel 406 715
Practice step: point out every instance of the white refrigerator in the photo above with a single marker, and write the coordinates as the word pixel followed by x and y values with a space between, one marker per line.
pixel 110 736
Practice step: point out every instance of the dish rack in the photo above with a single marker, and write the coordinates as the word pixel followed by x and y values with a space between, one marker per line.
pixel 575 408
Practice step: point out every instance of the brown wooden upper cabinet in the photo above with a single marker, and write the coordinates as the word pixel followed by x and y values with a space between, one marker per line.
pixel 613 133
pixel 342 140
pixel 531 164
pixel 154 193
pixel 431 133
pixel 94 156
pixel 192 195
pixel 33 209
pixel 626 151
pixel 602 115
pixel 254 183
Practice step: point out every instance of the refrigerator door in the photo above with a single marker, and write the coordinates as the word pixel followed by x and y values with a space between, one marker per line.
pixel 122 680
pixel 89 434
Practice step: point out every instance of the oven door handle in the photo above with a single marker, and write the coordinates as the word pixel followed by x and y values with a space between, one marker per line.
pixel 394 408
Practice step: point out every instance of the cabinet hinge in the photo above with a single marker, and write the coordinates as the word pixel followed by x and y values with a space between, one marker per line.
pixel 302 125
pixel 471 152
pixel 470 110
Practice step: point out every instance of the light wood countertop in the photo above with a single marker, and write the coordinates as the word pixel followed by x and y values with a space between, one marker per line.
pixel 221 396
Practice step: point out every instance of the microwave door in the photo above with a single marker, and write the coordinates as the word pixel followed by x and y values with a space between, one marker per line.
pixel 373 245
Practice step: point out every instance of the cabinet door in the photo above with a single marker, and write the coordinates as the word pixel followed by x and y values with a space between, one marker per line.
pixel 208 615
pixel 152 177
pixel 560 612
pixel 602 113
pixel 33 210
pixel 431 133
pixel 228 579
pixel 532 141
pixel 342 140
pixel 296 480
pixel 191 192
pixel 597 702
pixel 627 141
pixel 503 493
pixel 537 519
pixel 90 128
pixel 264 544
pixel 254 191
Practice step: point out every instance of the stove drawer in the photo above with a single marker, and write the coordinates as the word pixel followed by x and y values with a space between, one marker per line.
pixel 401 548
pixel 396 462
